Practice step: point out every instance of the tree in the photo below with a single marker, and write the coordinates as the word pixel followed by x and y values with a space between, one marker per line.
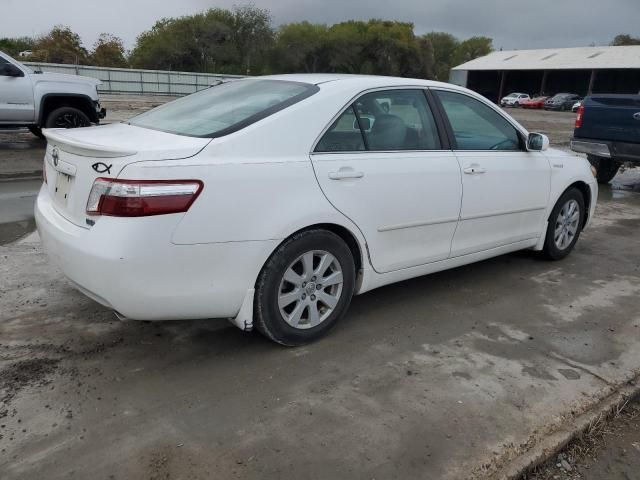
pixel 444 46
pixel 471 48
pixel 300 47
pixel 13 46
pixel 108 51
pixel 252 36
pixel 60 45
pixel 217 40
pixel 625 39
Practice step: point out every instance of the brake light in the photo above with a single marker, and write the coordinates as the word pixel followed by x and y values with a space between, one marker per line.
pixel 579 116
pixel 141 198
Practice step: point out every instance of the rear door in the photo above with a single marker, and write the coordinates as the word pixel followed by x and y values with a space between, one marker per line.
pixel 16 98
pixel 382 163
pixel 505 187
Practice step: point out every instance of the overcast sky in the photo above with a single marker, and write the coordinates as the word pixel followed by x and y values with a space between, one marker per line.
pixel 513 24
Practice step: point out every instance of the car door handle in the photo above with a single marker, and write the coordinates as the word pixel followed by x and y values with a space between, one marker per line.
pixel 345 173
pixel 474 169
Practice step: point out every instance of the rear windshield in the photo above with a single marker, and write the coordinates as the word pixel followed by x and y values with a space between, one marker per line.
pixel 225 108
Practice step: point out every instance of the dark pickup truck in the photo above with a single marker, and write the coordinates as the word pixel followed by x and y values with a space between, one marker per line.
pixel 608 130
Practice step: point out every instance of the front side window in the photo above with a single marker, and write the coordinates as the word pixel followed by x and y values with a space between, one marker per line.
pixel 225 108
pixel 477 126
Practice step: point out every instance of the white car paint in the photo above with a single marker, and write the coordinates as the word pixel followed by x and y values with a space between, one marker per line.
pixel 514 99
pixel 21 98
pixel 411 212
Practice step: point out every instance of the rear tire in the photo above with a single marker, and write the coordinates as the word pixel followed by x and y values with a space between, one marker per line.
pixel 67 117
pixel 565 224
pixel 606 168
pixel 304 288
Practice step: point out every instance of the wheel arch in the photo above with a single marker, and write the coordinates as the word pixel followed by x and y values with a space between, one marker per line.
pixel 51 101
pixel 358 250
pixel 586 195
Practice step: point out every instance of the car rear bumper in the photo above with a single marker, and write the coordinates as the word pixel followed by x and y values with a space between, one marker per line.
pixel 620 151
pixel 590 148
pixel 131 266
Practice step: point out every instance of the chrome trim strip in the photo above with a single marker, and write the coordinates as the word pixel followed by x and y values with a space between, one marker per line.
pixel 417 224
pixel 506 212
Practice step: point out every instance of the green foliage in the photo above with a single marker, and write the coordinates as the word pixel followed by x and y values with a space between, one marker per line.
pixel 243 41
pixel 471 48
pixel 625 39
pixel 13 46
pixel 444 47
pixel 108 51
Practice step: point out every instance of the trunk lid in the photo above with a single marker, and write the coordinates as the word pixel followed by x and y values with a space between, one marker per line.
pixel 74 158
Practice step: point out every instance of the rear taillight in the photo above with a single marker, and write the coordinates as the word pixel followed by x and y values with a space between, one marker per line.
pixel 141 198
pixel 579 116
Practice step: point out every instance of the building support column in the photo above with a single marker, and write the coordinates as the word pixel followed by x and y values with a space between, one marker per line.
pixel 543 86
pixel 503 76
pixel 592 81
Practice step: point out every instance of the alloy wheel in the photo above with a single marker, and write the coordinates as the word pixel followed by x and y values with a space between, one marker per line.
pixel 310 289
pixel 566 226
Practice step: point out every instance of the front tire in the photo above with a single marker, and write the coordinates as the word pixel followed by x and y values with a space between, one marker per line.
pixel 606 168
pixel 565 224
pixel 67 117
pixel 304 288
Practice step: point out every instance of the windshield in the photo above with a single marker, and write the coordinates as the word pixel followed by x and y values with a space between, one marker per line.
pixel 6 60
pixel 511 95
pixel 224 108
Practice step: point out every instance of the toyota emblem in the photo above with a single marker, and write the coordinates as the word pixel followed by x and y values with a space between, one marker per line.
pixel 54 155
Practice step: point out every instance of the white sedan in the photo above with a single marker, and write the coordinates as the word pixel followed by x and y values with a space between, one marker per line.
pixel 271 201
pixel 514 99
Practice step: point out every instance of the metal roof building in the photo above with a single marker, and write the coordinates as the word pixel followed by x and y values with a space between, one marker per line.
pixel 581 70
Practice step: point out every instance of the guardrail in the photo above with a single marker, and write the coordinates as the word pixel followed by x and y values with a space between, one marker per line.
pixel 136 81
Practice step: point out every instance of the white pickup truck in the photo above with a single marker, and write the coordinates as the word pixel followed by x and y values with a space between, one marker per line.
pixel 46 100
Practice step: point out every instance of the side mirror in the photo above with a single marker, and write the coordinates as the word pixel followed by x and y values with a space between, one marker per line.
pixel 537 142
pixel 10 70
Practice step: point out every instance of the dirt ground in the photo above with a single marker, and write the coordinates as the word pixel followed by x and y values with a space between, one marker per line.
pixel 609 449
pixel 448 376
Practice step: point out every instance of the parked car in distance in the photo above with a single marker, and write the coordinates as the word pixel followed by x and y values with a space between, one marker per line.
pixel 536 102
pixel 576 106
pixel 269 201
pixel 561 101
pixel 514 99
pixel 607 129
pixel 37 100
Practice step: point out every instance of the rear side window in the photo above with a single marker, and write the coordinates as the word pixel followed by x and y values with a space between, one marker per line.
pixel 475 125
pixel 225 108
pixel 388 120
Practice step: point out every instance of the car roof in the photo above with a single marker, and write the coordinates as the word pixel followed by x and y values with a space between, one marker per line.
pixel 366 81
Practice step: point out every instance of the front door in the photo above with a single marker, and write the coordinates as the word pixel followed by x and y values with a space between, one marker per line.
pixel 505 188
pixel 16 98
pixel 382 165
